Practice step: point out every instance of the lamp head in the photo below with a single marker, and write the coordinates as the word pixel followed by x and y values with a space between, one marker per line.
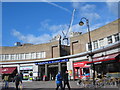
pixel 81 23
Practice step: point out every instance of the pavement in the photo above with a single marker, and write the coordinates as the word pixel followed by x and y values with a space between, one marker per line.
pixel 50 85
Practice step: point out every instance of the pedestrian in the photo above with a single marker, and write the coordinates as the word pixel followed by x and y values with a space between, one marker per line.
pixel 59 81
pixel 17 80
pixel 21 76
pixel 44 77
pixel 6 79
pixel 66 80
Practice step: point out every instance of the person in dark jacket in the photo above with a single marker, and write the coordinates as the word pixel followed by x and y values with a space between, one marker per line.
pixel 66 80
pixel 21 76
pixel 17 80
pixel 59 81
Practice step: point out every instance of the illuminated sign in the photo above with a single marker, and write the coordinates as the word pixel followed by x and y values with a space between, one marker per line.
pixel 49 62
pixel 26 68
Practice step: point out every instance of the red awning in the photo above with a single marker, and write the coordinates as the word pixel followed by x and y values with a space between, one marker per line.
pixel 7 70
pixel 81 64
pixel 105 58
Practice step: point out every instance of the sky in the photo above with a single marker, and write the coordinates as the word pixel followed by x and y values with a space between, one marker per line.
pixel 39 22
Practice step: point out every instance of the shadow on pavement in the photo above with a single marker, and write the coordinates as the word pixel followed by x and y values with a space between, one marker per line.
pixel 12 88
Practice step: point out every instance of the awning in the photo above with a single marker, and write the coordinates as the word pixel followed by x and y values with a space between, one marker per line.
pixel 105 58
pixel 81 64
pixel 7 70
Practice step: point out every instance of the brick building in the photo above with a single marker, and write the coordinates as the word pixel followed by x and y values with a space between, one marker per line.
pixel 36 59
pixel 49 58
pixel 105 47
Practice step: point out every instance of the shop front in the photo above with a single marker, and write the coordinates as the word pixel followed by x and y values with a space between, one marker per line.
pixel 81 70
pixel 10 71
pixel 27 72
pixel 51 68
pixel 107 65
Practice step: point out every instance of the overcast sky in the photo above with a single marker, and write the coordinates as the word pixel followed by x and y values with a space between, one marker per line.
pixel 39 22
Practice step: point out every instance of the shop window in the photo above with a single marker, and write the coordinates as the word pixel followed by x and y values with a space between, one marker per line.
pixel 86 71
pixel 113 67
pixel 101 42
pixel 109 39
pixel 95 43
pixel 116 37
pixel 77 72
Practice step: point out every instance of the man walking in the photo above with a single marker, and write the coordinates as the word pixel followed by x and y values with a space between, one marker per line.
pixel 59 81
pixel 66 81
pixel 17 80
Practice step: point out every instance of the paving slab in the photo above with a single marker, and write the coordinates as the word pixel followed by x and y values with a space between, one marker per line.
pixel 50 85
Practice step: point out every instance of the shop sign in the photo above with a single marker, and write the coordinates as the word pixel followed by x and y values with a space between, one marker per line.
pixel 49 62
pixel 80 64
pixel 106 58
pixel 26 68
pixel 101 58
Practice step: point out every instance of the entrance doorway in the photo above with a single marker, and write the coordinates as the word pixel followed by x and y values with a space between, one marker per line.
pixel 52 72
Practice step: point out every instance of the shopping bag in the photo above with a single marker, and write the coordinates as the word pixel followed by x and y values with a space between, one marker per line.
pixel 21 86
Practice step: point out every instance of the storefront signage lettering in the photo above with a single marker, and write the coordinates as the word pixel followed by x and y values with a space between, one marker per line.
pixel 101 58
pixel 79 63
pixel 49 62
pixel 26 68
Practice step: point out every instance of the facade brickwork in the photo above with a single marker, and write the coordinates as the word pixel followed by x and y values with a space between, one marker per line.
pixel 52 50
pixel 78 43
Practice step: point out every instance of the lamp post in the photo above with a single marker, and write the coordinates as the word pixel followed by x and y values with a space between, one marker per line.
pixel 89 46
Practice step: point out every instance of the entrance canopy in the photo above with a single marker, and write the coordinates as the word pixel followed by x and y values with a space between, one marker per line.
pixel 81 64
pixel 105 58
pixel 7 70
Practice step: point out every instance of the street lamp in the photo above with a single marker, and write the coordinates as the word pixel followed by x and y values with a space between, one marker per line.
pixel 81 23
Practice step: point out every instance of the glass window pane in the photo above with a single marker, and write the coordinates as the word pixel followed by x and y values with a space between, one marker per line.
pixel 95 43
pixel 116 36
pixel 109 39
pixel 22 56
pixel 6 57
pixel 28 55
pixel 38 54
pixel 33 55
pixel 101 42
